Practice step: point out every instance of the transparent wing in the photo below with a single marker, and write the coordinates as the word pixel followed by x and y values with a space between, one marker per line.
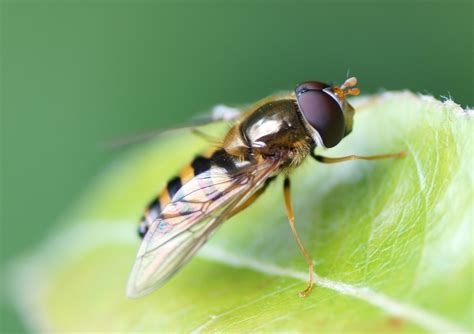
pixel 219 113
pixel 186 223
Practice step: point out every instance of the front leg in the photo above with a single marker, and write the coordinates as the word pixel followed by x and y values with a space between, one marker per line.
pixel 328 160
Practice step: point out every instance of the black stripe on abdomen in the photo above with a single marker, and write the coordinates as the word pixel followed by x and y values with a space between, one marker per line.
pixel 152 212
pixel 200 165
pixel 154 207
pixel 224 160
pixel 173 186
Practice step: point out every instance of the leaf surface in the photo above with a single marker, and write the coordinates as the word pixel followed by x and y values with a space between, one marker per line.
pixel 391 240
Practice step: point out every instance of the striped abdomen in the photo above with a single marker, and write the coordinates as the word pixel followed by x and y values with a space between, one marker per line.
pixel 200 164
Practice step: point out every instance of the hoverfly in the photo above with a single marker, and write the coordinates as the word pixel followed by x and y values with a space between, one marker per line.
pixel 271 137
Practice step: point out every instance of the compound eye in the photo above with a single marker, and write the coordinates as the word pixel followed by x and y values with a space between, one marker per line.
pixel 323 113
pixel 310 85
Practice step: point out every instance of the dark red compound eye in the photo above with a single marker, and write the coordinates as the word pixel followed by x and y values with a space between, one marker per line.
pixel 321 111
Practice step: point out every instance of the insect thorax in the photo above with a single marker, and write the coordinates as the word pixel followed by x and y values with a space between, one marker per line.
pixel 273 131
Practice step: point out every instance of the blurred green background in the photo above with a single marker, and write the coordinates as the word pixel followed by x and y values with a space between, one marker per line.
pixel 75 74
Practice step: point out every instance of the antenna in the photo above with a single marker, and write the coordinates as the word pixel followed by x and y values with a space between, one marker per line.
pixel 347 88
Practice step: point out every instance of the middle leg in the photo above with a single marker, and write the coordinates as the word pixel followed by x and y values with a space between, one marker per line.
pixel 291 220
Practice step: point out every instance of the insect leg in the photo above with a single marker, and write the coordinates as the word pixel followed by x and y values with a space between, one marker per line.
pixel 328 160
pixel 252 199
pixel 291 219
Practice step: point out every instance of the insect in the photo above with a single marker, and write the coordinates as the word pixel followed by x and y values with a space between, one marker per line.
pixel 270 138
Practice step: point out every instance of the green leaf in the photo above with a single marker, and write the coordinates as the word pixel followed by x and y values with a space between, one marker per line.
pixel 391 240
